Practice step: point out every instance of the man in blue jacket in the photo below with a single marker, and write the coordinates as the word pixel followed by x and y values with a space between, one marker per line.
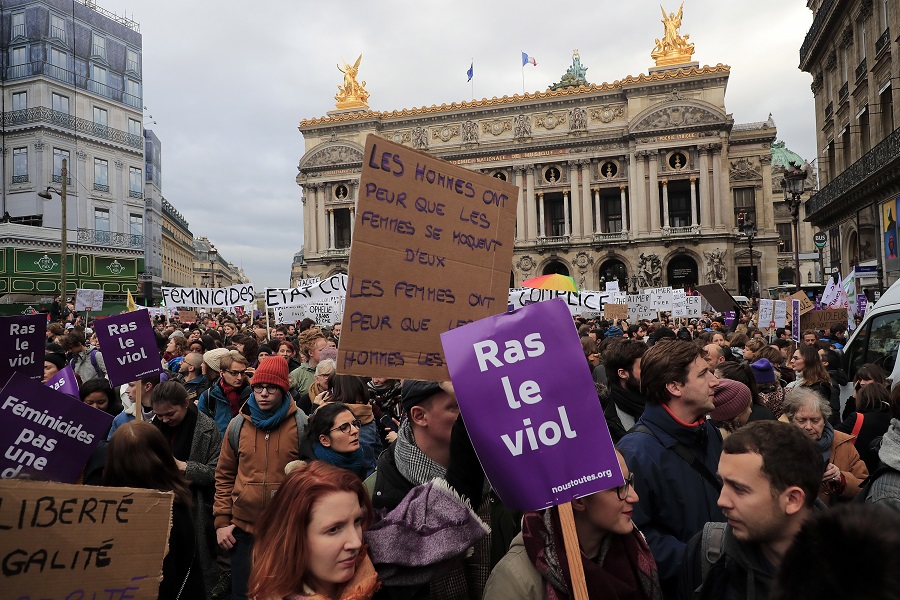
pixel 674 453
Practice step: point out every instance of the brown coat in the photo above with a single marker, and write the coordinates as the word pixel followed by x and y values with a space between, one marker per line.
pixel 845 457
pixel 246 482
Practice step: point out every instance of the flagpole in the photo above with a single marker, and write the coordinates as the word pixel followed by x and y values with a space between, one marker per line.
pixel 523 80
pixel 473 78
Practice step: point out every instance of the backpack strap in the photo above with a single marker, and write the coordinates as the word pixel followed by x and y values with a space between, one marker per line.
pixel 94 363
pixel 857 426
pixel 711 546
pixel 687 456
pixel 302 420
pixel 234 432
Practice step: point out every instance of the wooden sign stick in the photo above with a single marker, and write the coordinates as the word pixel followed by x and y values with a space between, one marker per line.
pixel 138 393
pixel 573 551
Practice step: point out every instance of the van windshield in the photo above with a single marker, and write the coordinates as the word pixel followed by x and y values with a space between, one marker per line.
pixel 878 345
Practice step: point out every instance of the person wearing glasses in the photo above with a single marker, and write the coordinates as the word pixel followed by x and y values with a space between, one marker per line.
pixel 252 461
pixel 616 558
pixel 229 392
pixel 333 436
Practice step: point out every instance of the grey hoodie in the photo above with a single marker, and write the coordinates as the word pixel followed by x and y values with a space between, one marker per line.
pixel 886 489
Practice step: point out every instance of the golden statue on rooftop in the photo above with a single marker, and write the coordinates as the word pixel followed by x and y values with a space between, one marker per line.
pixel 673 49
pixel 352 94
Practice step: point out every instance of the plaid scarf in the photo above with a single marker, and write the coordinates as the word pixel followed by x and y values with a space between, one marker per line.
pixel 412 463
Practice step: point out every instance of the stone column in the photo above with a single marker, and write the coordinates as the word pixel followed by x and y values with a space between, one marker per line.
pixel 352 220
pixel 718 200
pixel 637 188
pixel 331 236
pixel 653 195
pixel 540 208
pixel 665 202
pixel 585 203
pixel 531 202
pixel 705 216
pixel 625 209
pixel 596 206
pixel 520 207
pixel 693 201
pixel 307 204
pixel 573 227
pixel 321 221
pixel 567 230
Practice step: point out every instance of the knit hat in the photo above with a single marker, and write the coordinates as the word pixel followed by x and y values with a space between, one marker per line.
pixel 273 370
pixel 416 392
pixel 731 399
pixel 214 357
pixel 176 333
pixel 763 371
pixel 56 359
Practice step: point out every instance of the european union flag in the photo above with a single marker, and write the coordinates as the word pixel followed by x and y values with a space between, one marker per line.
pixel 471 71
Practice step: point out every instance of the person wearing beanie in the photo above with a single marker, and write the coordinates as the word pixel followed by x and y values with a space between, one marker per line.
pixel 228 393
pixel 212 362
pixel 732 402
pixel 268 438
pixel 53 363
pixel 771 393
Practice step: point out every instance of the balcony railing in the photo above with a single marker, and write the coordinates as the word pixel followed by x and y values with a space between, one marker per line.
pixel 58 73
pixel 557 240
pixel 134 194
pixel 829 110
pixel 18 31
pixel 883 41
pixel 843 93
pixel 58 33
pixel 336 253
pixel 873 161
pixel 58 179
pixel 861 70
pixel 20 178
pixel 617 236
pixel 42 114
pixel 101 187
pixel 109 238
pixel 689 230
pixel 98 51
pixel 818 23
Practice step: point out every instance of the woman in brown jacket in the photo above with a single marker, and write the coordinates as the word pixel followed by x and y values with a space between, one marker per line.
pixel 844 469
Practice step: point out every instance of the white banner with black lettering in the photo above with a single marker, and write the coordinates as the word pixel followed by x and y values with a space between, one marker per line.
pixel 326 290
pixel 227 297
pixel 584 301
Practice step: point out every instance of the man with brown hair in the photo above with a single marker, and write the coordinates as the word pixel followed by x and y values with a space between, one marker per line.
pixel 675 453
pixel 228 393
pixel 311 343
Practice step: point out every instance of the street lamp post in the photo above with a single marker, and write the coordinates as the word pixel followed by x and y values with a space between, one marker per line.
pixel 211 254
pixel 64 232
pixel 792 184
pixel 748 229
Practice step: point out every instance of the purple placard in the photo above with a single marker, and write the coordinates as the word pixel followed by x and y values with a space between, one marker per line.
pixel 531 407
pixel 22 346
pixel 795 320
pixel 129 346
pixel 730 316
pixel 45 434
pixel 64 381
pixel 861 302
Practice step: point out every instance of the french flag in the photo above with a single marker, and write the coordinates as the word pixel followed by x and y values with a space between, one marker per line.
pixel 528 59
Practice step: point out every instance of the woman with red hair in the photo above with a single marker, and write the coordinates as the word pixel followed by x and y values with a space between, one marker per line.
pixel 309 542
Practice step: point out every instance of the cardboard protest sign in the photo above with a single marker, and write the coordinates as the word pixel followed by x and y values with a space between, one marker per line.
pixel 45 434
pixel 129 347
pixel 226 297
pixel 314 292
pixel 22 346
pixel 64 381
pixel 432 248
pixel 187 316
pixel 531 407
pixel 62 541
pixel 719 298
pixel 88 300
pixel 823 319
pixel 615 312
pixel 580 302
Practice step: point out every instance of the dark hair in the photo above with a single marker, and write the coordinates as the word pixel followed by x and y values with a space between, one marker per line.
pixel 742 372
pixel 281 552
pixel 99 384
pixel 348 389
pixel 139 456
pixel 663 363
pixel 305 324
pixel 813 370
pixel 789 456
pixel 873 397
pixel 831 357
pixel 210 341
pixel 250 347
pixel 170 392
pixel 862 535
pixel 838 328
pixel 621 354
pixel 588 346
pixel 771 354
pixel 662 333
pixel 871 372
pixel 738 340
pixel 71 340
pixel 322 421
pixel 895 402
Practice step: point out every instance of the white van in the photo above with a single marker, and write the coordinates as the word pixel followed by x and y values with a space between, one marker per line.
pixel 877 338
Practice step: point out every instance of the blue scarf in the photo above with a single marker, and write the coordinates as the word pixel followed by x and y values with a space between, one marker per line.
pixel 264 419
pixel 352 461
pixel 825 441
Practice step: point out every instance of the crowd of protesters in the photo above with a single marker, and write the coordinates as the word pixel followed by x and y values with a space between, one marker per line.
pixel 746 474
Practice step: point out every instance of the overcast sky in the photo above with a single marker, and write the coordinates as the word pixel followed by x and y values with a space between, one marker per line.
pixel 227 84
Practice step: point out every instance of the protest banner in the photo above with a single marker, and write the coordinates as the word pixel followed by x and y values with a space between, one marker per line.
pixel 615 312
pixel 527 396
pixel 661 298
pixel 432 248
pixel 74 542
pixel 583 301
pixel 64 381
pixel 22 346
pixel 187 316
pixel 823 319
pixel 289 314
pixel 719 298
pixel 806 304
pixel 693 307
pixel 45 434
pixel 796 315
pixel 862 303
pixel 612 286
pixel 780 317
pixel 308 281
pixel 766 313
pixel 88 300
pixel 319 291
pixel 640 306
pixel 129 347
pixel 226 297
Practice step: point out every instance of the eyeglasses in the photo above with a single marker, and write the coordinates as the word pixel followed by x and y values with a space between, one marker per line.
pixel 345 427
pixel 269 389
pixel 233 373
pixel 622 490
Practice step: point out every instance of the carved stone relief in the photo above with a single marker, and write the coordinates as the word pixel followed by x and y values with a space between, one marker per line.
pixel 608 113
pixel 445 133
pixel 744 169
pixel 577 119
pixel 334 155
pixel 469 132
pixel 522 127
pixel 420 138
pixel 497 126
pixel 676 116
pixel 550 120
